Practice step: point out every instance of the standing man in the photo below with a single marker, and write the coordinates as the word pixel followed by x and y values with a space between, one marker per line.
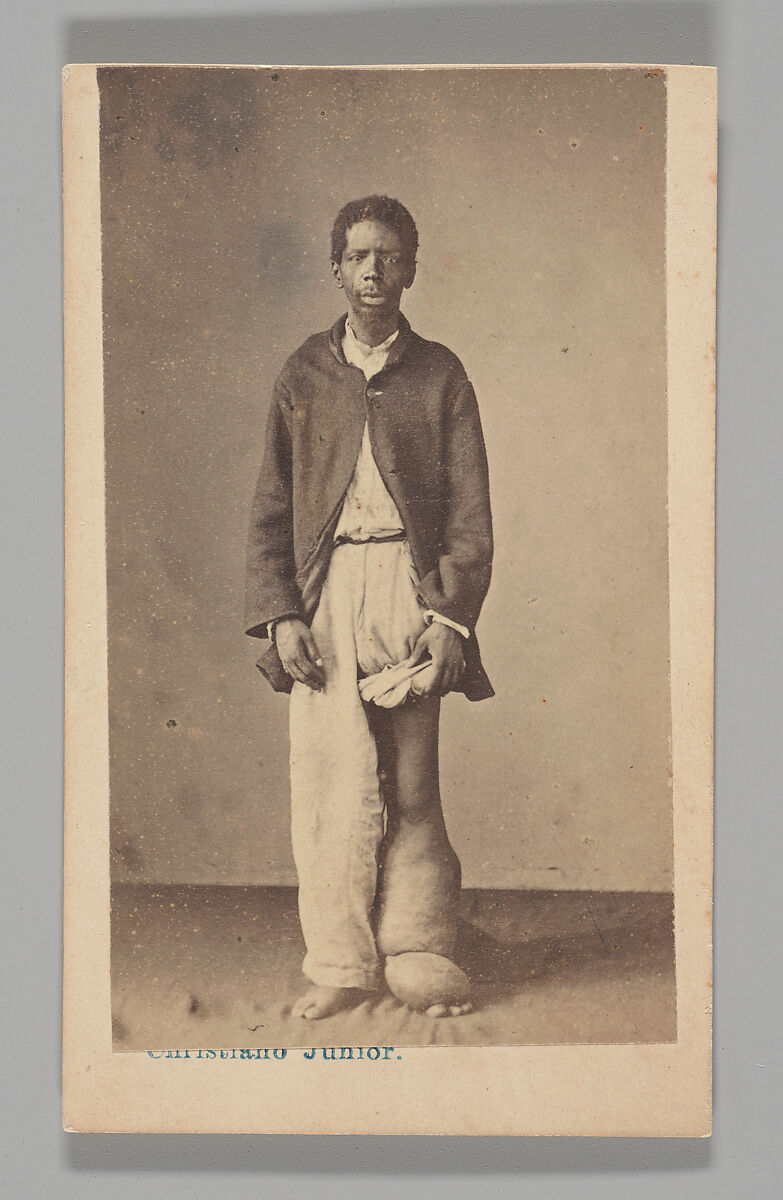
pixel 369 557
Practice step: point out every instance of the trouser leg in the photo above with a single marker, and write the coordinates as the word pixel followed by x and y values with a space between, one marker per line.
pixel 336 808
pixel 419 873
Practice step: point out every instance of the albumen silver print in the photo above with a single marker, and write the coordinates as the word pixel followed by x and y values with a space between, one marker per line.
pixel 392 380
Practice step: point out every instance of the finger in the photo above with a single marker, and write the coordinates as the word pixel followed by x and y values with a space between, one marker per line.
pixel 299 669
pixel 313 676
pixel 451 681
pixel 311 646
pixel 312 655
pixel 419 653
pixel 433 686
pixel 444 674
pixel 294 671
pixel 309 673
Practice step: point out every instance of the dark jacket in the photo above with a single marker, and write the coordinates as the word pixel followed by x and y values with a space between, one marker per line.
pixel 426 438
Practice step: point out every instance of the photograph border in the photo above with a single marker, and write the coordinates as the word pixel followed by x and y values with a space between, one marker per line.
pixel 639 1090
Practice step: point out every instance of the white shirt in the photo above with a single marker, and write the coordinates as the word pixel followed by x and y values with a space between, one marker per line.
pixel 368 509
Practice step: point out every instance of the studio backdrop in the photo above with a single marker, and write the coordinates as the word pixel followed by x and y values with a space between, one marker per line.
pixel 539 198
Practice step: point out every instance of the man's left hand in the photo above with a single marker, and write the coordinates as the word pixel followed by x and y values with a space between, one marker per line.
pixel 443 645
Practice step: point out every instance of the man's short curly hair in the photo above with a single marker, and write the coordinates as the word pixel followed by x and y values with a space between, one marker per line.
pixel 375 208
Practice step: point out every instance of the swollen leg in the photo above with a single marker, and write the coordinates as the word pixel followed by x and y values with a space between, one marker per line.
pixel 418 889
pixel 418 871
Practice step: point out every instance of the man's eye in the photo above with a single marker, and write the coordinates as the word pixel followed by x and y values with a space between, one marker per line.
pixel 391 259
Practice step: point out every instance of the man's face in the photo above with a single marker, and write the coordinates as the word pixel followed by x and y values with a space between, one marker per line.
pixel 375 268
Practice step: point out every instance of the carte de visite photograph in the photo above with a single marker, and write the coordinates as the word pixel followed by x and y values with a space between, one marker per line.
pixel 385 369
pixel 386 438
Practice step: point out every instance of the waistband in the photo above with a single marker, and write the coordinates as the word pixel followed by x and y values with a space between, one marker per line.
pixel 343 540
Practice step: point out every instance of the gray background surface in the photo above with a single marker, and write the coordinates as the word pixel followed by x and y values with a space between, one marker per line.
pixel 744 1156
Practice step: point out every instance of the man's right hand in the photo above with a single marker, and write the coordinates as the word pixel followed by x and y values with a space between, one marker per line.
pixel 299 653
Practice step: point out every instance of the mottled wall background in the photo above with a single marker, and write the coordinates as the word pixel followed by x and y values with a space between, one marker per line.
pixel 539 197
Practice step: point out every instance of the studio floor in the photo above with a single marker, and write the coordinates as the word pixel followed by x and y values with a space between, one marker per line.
pixel 215 967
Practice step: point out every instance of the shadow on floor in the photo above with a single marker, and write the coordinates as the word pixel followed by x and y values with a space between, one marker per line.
pixel 207 966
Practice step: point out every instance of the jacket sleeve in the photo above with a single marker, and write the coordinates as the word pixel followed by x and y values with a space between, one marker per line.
pixel 465 562
pixel 271 590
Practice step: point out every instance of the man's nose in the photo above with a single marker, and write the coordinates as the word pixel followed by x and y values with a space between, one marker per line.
pixel 374 266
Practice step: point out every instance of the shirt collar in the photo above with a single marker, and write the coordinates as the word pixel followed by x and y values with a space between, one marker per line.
pixel 363 349
pixel 399 340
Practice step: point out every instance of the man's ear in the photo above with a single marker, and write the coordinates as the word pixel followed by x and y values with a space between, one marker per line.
pixel 336 272
pixel 411 274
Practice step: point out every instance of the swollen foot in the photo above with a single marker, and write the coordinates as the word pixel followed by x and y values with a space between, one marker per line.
pixel 428 983
pixel 319 1002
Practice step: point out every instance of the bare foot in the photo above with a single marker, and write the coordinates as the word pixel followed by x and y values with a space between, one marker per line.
pixel 428 983
pixel 319 1001
pixel 448 1010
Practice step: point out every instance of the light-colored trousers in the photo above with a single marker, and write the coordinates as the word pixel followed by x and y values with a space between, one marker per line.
pixel 368 619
